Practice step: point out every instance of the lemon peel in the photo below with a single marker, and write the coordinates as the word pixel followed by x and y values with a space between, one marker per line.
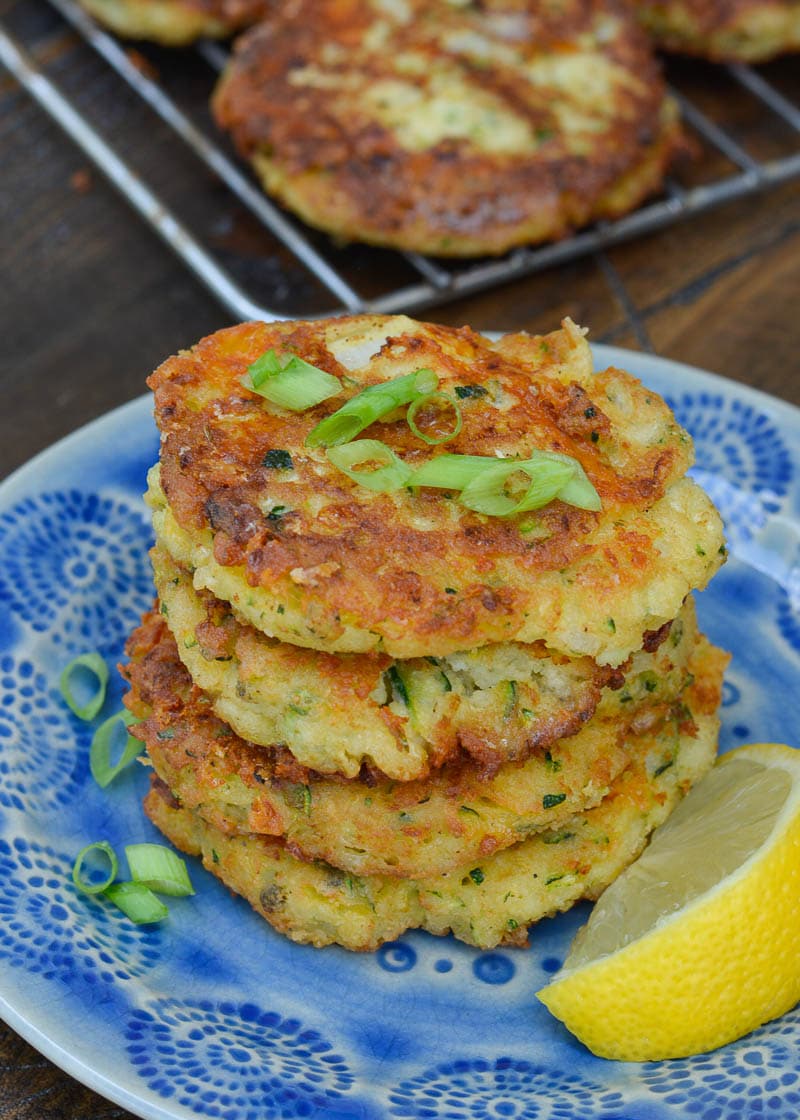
pixel 695 944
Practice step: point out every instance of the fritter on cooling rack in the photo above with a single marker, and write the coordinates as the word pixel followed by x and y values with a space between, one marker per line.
pixel 308 556
pixel 450 128
pixel 175 23
pixel 724 30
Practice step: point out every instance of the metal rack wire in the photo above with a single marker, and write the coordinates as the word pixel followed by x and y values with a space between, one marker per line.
pixel 426 281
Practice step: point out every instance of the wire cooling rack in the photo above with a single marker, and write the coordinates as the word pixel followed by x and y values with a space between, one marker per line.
pixel 383 281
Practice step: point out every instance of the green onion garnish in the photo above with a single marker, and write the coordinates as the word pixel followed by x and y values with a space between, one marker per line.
pixel 484 480
pixel 109 737
pixel 288 381
pixel 451 472
pixel 489 492
pixel 88 886
pixel 380 469
pixel 159 868
pixel 137 902
pixel 434 404
pixel 83 684
pixel 579 490
pixel 370 405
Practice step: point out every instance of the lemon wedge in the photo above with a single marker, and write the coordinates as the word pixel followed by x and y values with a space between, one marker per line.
pixel 697 942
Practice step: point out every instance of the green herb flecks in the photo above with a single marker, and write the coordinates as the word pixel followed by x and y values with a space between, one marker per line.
pixel 278 460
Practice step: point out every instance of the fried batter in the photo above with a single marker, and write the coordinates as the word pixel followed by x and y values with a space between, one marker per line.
pixel 724 30
pixel 454 129
pixel 337 713
pixel 492 902
pixel 406 829
pixel 310 557
pixel 175 23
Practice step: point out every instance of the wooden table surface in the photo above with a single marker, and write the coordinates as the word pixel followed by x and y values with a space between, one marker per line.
pixel 90 301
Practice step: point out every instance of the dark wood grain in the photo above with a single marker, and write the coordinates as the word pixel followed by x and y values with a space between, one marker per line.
pixel 90 301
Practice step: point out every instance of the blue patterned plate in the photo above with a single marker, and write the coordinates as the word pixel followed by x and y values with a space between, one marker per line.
pixel 214 1015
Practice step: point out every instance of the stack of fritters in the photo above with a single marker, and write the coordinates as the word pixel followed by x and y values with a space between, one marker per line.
pixel 372 711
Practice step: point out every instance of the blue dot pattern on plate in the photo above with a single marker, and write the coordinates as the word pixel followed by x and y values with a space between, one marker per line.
pixel 493 968
pixel 788 611
pixel 79 556
pixel 48 926
pixel 235 1060
pixel 742 460
pixel 42 746
pixel 759 1077
pixel 173 1017
pixel 396 956
pixel 503 1089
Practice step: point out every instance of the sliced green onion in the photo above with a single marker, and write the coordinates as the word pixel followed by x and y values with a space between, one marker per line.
pixel 488 492
pixel 370 405
pixel 85 698
pixel 159 868
pixel 107 738
pixel 578 491
pixel 482 477
pixel 452 472
pixel 390 473
pixel 290 382
pixel 88 886
pixel 434 401
pixel 137 902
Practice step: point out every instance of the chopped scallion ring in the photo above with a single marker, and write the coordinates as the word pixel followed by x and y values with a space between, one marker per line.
pixel 372 464
pixel 370 405
pixel 159 868
pixel 107 738
pixel 85 698
pixel 489 493
pixel 137 902
pixel 88 886
pixel 433 405
pixel 290 382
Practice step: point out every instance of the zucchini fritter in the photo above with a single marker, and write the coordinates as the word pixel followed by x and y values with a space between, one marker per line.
pixel 450 128
pixel 308 556
pixel 486 904
pixel 402 719
pixel 405 829
pixel 175 23
pixel 723 30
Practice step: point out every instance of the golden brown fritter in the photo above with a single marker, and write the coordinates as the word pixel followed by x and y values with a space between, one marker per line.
pixel 175 23
pixel 723 30
pixel 403 829
pixel 450 128
pixel 339 712
pixel 489 903
pixel 310 557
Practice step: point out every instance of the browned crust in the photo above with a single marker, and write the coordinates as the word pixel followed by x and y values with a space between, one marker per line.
pixel 371 825
pixel 165 698
pixel 377 565
pixel 176 22
pixel 724 30
pixel 343 169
